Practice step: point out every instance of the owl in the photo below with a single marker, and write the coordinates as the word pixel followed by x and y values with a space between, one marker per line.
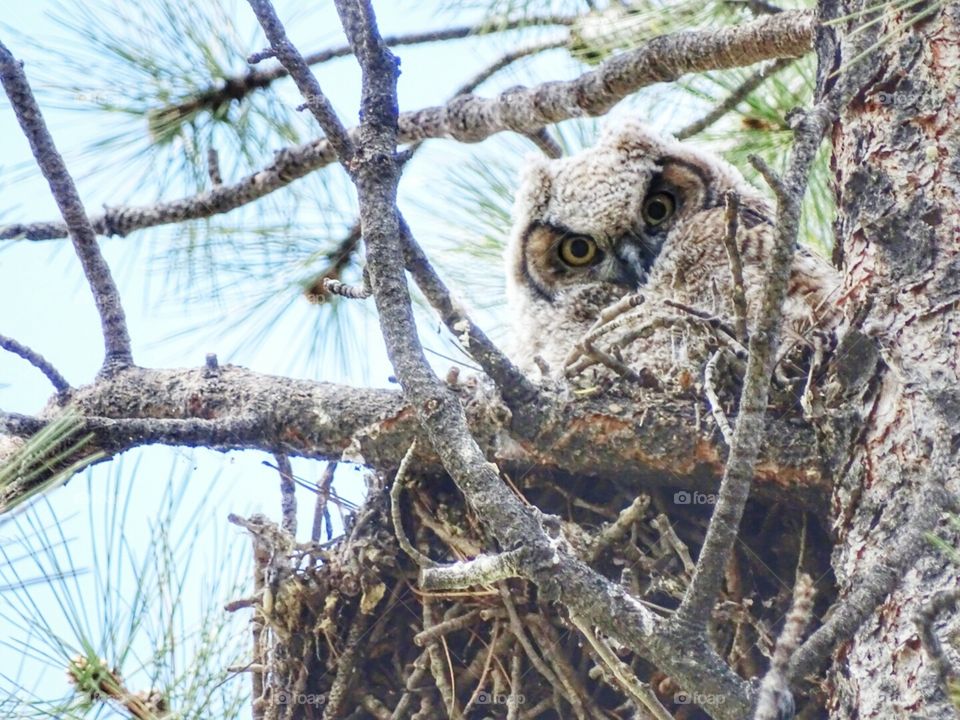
pixel 642 216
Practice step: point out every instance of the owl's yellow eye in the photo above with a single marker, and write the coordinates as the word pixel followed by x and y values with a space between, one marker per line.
pixel 578 250
pixel 658 208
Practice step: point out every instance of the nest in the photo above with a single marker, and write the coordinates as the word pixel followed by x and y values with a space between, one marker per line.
pixel 342 631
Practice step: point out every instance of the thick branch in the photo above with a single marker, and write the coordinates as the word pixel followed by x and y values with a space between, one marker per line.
pixel 471 119
pixel 76 224
pixel 232 408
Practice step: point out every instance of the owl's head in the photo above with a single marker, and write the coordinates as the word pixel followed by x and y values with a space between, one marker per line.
pixel 604 215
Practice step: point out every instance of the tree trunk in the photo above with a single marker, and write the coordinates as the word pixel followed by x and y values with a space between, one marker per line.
pixel 897 166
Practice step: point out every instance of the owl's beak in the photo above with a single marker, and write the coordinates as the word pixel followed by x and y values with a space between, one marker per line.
pixel 634 262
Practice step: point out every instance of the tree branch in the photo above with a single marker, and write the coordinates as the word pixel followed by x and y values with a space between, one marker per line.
pixel 77 225
pixel 233 408
pixel 238 87
pixel 471 119
pixel 520 395
pixel 695 609
pixel 59 383
pixel 306 82
pixel 738 95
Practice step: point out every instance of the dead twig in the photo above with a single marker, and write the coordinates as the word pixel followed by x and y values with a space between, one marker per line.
pixel 59 383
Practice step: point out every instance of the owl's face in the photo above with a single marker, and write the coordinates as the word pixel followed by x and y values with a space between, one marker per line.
pixel 614 236
pixel 593 227
pixel 605 214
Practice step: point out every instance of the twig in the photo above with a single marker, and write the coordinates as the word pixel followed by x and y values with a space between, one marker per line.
pixel 636 690
pixel 615 531
pixel 213 167
pixel 704 588
pixel 288 496
pixel 418 557
pixel 471 119
pixel 443 681
pixel 722 330
pixel 445 627
pixel 112 320
pixel 321 512
pixel 547 638
pixel 732 217
pixel 351 292
pixel 738 95
pixel 237 87
pixel 497 639
pixel 542 139
pixel 337 259
pixel 59 383
pixel 93 678
pixel 481 570
pixel 618 366
pixel 758 7
pixel 716 406
pixel 306 82
pixel 506 60
pixel 609 319
pixel 346 667
pixel 261 561
pixel 420 668
pixel 520 633
pixel 672 541
pixel 513 701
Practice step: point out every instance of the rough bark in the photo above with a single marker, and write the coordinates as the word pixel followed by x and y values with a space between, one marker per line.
pixel 897 166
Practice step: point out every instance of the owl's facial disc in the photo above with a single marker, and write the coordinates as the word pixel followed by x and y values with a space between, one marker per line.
pixel 625 235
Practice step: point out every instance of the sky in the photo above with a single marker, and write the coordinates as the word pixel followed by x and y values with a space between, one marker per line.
pixel 45 304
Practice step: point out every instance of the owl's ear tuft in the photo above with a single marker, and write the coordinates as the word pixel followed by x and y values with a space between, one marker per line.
pixel 630 136
pixel 533 194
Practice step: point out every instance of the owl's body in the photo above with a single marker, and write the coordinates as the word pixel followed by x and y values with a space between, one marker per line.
pixel 639 213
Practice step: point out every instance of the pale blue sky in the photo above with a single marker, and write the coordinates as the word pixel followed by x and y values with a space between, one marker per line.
pixel 44 303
